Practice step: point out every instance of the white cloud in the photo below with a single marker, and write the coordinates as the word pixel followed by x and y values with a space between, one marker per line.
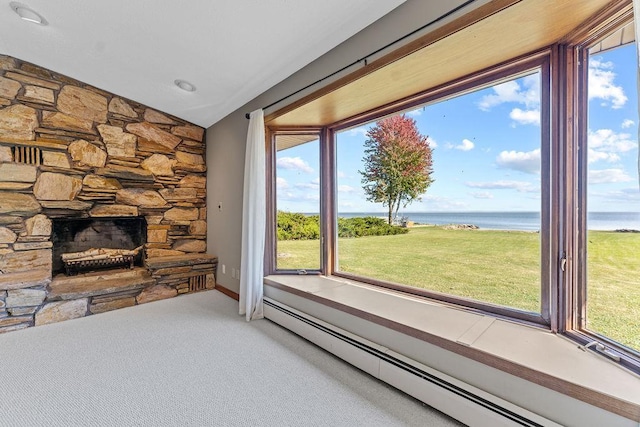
pixel 308 185
pixel 439 203
pixel 522 186
pixel 294 163
pixel 525 117
pixel 466 145
pixel 602 86
pixel 432 142
pixel 631 192
pixel 527 162
pixel 609 140
pixel 281 183
pixel 511 91
pixel 625 194
pixel 358 131
pixel 627 123
pixel 505 92
pixel 341 174
pixel 347 204
pixel 595 156
pixel 416 112
pixel 298 197
pixel 608 176
pixel 481 195
pixel 346 189
pixel 532 85
pixel 287 196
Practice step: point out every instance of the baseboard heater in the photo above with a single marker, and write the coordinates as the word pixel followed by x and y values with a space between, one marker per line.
pixel 455 398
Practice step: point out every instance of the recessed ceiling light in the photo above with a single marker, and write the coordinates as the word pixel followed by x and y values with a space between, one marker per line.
pixel 28 14
pixel 185 85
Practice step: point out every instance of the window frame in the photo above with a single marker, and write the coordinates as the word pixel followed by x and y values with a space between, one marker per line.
pixel 574 316
pixel 271 240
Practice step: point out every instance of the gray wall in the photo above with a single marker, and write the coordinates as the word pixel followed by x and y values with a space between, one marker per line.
pixel 226 139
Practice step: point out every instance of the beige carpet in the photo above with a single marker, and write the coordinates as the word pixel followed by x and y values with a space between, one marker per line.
pixel 188 361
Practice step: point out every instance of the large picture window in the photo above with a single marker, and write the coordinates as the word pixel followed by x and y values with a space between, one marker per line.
pixel 472 228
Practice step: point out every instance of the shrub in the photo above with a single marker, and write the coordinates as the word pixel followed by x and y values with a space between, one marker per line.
pixel 297 226
pixel 367 226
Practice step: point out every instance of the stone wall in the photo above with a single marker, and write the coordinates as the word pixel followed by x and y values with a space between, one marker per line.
pixel 71 150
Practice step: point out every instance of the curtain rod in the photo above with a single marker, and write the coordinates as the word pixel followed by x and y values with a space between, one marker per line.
pixel 365 58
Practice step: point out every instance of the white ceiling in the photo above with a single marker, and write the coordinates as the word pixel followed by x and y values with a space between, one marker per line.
pixel 231 50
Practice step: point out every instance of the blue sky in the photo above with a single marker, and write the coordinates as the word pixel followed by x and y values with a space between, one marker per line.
pixel 487 149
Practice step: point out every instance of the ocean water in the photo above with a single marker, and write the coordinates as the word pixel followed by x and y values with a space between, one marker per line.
pixel 525 221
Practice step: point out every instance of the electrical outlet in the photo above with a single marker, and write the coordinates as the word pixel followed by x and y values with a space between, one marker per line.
pixel 238 273
pixel 233 273
pixel 224 270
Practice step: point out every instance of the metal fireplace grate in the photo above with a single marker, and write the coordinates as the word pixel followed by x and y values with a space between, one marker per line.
pixel 72 267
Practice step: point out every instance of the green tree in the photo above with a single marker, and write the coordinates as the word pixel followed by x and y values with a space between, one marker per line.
pixel 398 163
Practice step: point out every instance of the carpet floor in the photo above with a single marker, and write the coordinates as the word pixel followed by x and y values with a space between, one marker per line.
pixel 188 361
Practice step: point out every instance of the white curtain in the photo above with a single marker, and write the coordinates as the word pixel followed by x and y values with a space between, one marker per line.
pixel 253 220
pixel 636 24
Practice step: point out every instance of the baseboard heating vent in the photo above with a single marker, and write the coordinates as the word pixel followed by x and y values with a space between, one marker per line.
pixel 455 398
pixel 197 283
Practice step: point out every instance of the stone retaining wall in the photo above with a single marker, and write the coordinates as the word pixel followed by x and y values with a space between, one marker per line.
pixel 71 150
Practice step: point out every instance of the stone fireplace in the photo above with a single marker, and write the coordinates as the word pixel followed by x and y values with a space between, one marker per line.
pixel 80 168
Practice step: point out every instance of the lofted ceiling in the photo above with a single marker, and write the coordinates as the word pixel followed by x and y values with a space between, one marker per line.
pixel 231 51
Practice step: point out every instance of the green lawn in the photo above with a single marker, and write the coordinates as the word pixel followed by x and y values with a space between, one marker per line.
pixel 500 267
pixel 613 307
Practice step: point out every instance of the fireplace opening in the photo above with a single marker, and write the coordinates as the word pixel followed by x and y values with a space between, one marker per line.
pixel 75 235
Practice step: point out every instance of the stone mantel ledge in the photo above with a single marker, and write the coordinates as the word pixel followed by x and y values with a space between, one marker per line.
pixel 98 283
pixel 24 279
pixel 177 260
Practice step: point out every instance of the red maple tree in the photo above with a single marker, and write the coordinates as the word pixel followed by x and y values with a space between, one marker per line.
pixel 398 163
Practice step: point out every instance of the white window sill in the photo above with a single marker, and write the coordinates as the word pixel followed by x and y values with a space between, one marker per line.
pixel 531 353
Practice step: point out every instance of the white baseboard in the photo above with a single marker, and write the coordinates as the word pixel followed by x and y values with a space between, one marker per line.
pixel 457 399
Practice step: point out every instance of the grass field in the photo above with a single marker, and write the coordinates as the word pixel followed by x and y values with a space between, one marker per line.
pixel 500 267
